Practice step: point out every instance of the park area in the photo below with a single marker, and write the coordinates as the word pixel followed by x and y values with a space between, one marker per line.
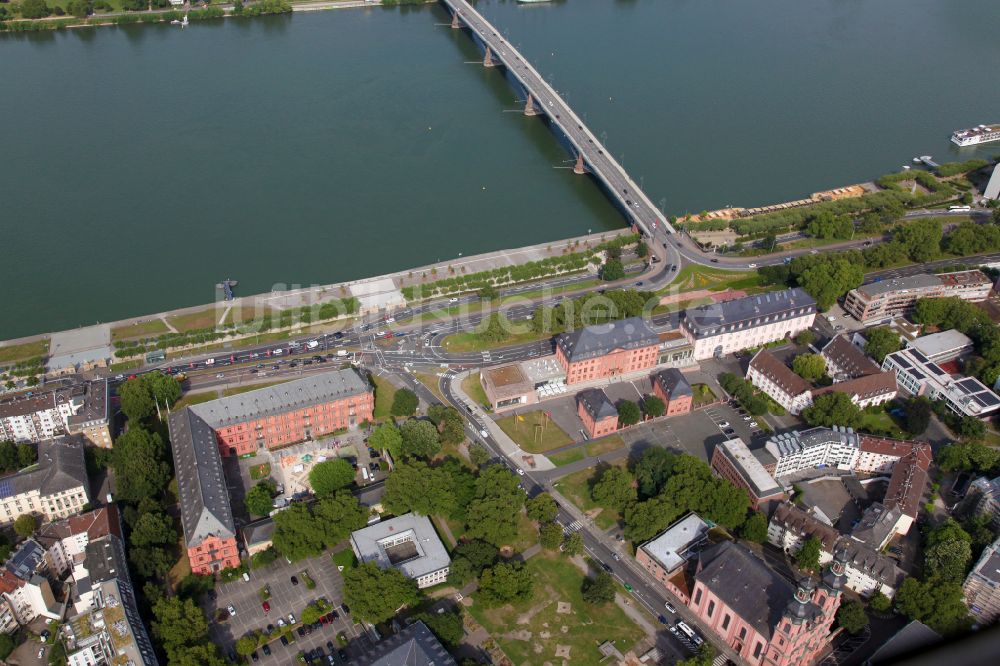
pixel 575 487
pixel 534 432
pixel 556 625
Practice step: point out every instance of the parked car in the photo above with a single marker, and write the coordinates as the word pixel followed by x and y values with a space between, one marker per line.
pixel 295 580
pixel 724 424
pixel 266 606
pixel 291 618
pixel 266 650
pixel 284 639
pixel 232 610
pixel 254 657
pixel 670 607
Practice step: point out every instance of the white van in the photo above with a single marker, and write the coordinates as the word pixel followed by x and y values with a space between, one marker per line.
pixel 246 577
pixel 312 344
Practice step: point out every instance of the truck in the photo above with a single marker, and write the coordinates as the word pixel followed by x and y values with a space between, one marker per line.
pixel 364 473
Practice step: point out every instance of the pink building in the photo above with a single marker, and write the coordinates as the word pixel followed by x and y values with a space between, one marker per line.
pixel 673 389
pixel 759 614
pixel 605 350
pixel 599 416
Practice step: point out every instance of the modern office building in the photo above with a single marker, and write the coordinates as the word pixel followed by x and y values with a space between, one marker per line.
pixel 599 415
pixel 918 375
pixel 759 614
pixel 885 299
pixel 81 409
pixel 408 543
pixel 942 347
pixel 795 451
pixel 982 586
pixel 507 386
pixel 56 487
pixel 606 350
pixel 733 461
pixel 673 388
pixel 731 326
pixel 665 554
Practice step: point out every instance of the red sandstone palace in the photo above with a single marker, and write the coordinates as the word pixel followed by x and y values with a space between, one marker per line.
pixel 605 350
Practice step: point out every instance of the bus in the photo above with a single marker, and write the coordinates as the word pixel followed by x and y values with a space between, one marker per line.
pixel 689 632
pixel 959 209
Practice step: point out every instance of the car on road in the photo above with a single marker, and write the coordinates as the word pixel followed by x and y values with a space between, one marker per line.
pixel 520 472
pixel 714 260
pixel 453 300
pixel 751 265
pixel 484 432
pixel 616 557
pixel 628 588
pixel 662 619
pixel 220 375
pixel 669 606
pixel 232 610
pixel 606 567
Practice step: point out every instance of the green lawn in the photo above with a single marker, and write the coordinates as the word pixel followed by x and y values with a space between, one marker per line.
pixel 702 394
pixel 474 389
pixel 23 352
pixel 206 318
pixel 468 341
pixel 606 445
pixel 146 329
pixel 262 471
pixel 694 276
pixel 246 388
pixel 534 432
pixel 430 380
pixel 384 394
pixel 575 487
pixel 568 456
pixel 189 399
pixel 882 421
pixel 530 631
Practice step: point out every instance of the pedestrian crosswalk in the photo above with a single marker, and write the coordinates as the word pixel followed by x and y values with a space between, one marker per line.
pixel 575 526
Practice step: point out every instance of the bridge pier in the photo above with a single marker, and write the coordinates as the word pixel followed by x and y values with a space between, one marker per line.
pixel 455 25
pixel 529 107
pixel 579 168
pixel 488 58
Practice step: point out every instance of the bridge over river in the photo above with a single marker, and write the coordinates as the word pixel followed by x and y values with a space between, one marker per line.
pixel 542 99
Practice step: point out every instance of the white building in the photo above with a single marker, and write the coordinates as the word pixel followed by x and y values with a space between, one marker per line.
pixel 731 326
pixel 814 448
pixel 942 347
pixel 408 543
pixel 81 409
pixel 54 488
pixel 918 375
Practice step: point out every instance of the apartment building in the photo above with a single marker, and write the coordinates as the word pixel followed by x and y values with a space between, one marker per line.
pixel 606 350
pixel 814 448
pixel 743 323
pixel 81 409
pixel 56 487
pixel 918 375
pixel 845 360
pixel 885 299
pixel 982 586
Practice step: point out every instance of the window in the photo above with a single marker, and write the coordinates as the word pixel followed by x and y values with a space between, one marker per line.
pixel 711 608
pixel 725 621
pixel 743 633
pixel 756 650
pixel 697 597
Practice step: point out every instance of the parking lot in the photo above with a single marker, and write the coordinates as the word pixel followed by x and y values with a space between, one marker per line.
pixel 285 598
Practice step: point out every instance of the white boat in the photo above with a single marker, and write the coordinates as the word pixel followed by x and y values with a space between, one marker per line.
pixel 976 135
pixel 528 2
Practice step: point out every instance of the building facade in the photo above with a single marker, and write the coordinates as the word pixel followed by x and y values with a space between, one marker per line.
pixel 507 387
pixel 673 388
pixel 56 487
pixel 81 409
pixel 617 348
pixel 599 415
pixel 982 586
pixel 883 300
pixel 408 543
pixel 845 360
pixel 918 375
pixel 760 615
pixel 942 347
pixel 731 326
pixel 733 461
pixel 814 448
pixel 664 555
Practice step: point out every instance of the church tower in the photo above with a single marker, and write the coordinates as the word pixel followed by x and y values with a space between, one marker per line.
pixel 827 596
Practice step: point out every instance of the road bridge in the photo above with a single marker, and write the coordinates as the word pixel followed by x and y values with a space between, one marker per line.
pixel 542 99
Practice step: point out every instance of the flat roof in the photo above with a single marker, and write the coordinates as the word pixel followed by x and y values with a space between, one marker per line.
pixel 669 549
pixel 505 375
pixel 762 483
pixel 430 554
pixel 919 281
pixel 944 342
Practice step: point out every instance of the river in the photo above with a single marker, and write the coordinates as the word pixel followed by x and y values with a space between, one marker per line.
pixel 141 165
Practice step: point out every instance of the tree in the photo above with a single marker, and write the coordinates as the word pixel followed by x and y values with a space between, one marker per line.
pixel 179 624
pixel 644 520
pixel 922 239
pixel 936 603
pixel 881 341
pixel 420 439
pixel 918 415
pixel 25 525
pixel 493 515
pixel 808 556
pixel 415 486
pixel 478 454
pixel 880 603
pixel 653 469
pixel 140 464
pixel 259 500
pixel 247 644
pixel 338 516
pixel 755 528
pixel 542 508
pixel 809 367
pixel 449 422
pixel 448 627
pixel 653 406
pixel 834 408
pixel 504 583
pixel 153 529
pixel 550 535
pixel 477 553
pixel 404 403
pixel 34 9
pixel 628 413
pixel 314 611
pixel 26 455
pixel 600 589
pixel 851 616
pixel 615 489
pixel 573 544
pixel 704 657
pixel 805 337
pixel 8 456
pixel 827 225
pixel 948 552
pixel 295 533
pixel 497 328
pixel 612 270
pixel 376 594
pixel 6 645
pixel 330 476
pixel 150 561
pixel 79 8
pixel 140 396
pixel 387 438
pixel 829 279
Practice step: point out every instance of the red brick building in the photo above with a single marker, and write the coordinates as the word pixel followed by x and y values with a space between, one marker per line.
pixel 672 387
pixel 599 416
pixel 733 461
pixel 605 350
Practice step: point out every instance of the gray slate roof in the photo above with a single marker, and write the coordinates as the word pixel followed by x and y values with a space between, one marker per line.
pixel 849 358
pixel 594 341
pixel 744 583
pixel 597 403
pixel 414 645
pixel 61 466
pixel 201 484
pixel 725 317
pixel 282 398
pixel 673 382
